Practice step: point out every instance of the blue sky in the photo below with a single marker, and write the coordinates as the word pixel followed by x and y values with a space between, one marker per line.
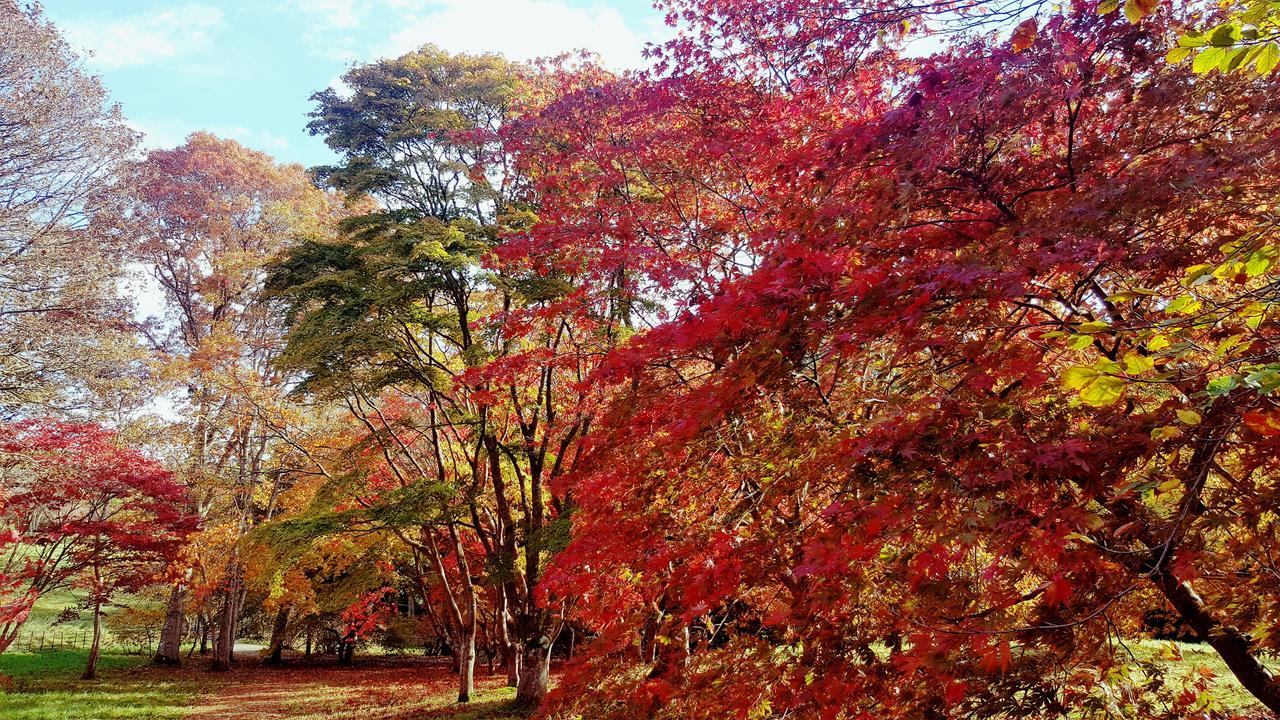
pixel 244 68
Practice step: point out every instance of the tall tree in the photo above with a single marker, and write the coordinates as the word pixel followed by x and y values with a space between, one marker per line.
pixel 207 216
pixel 64 336
pixel 466 372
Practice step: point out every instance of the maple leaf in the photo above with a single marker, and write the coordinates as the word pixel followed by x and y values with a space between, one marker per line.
pixel 1024 35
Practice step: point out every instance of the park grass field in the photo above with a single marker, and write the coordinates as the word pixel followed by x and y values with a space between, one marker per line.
pixel 46 686
pixel 52 627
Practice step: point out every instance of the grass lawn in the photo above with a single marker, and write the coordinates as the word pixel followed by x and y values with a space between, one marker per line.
pixel 46 686
pixel 50 628
pixel 1226 690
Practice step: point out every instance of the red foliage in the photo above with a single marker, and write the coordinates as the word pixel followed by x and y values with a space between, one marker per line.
pixel 370 613
pixel 837 478
pixel 81 512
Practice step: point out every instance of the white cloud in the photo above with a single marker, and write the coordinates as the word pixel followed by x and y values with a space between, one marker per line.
pixel 170 132
pixel 328 25
pixel 158 134
pixel 520 29
pixel 263 140
pixel 335 14
pixel 146 37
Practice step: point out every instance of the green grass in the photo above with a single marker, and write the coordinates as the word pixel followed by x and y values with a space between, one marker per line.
pixel 57 666
pixel 1226 690
pixel 46 686
pixel 48 624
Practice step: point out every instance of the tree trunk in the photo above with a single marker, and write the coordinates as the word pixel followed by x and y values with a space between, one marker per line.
pixel 224 644
pixel 511 661
pixel 466 654
pixel 8 636
pixel 648 639
pixel 307 653
pixel 170 650
pixel 510 651
pixel 535 673
pixel 674 655
pixel 1232 645
pixel 463 616
pixel 277 637
pixel 346 649
pixel 195 642
pixel 91 668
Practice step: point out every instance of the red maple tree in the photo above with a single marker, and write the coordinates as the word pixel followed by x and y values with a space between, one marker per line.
pixel 959 364
pixel 83 513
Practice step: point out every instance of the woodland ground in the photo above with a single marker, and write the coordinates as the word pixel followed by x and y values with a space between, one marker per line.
pixel 45 686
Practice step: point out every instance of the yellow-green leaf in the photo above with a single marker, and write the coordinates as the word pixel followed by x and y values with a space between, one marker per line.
pixel 1253 314
pixel 1135 10
pixel 1189 417
pixel 1093 326
pixel 1076 377
pixel 1260 261
pixel 1103 391
pixel 1183 304
pixel 1207 60
pixel 1135 363
pixel 1196 274
pixel 1268 58
pixel 1231 344
pixel 1079 342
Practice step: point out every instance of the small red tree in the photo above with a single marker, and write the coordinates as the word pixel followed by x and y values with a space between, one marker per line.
pixel 371 612
pixel 81 512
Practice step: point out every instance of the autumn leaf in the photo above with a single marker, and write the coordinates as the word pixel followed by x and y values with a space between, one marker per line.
pixel 1135 10
pixel 1024 35
pixel 1264 423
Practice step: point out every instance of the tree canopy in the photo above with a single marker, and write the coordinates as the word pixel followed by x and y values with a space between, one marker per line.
pixel 851 360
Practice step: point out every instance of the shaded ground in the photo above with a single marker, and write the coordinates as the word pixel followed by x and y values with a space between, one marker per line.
pixel 390 688
pixel 45 686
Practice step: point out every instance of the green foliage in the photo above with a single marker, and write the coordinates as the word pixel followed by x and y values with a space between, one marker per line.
pixel 1248 40
pixel 550 538
pixel 408 118
pixel 365 309
pixel 380 305
pixel 413 506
